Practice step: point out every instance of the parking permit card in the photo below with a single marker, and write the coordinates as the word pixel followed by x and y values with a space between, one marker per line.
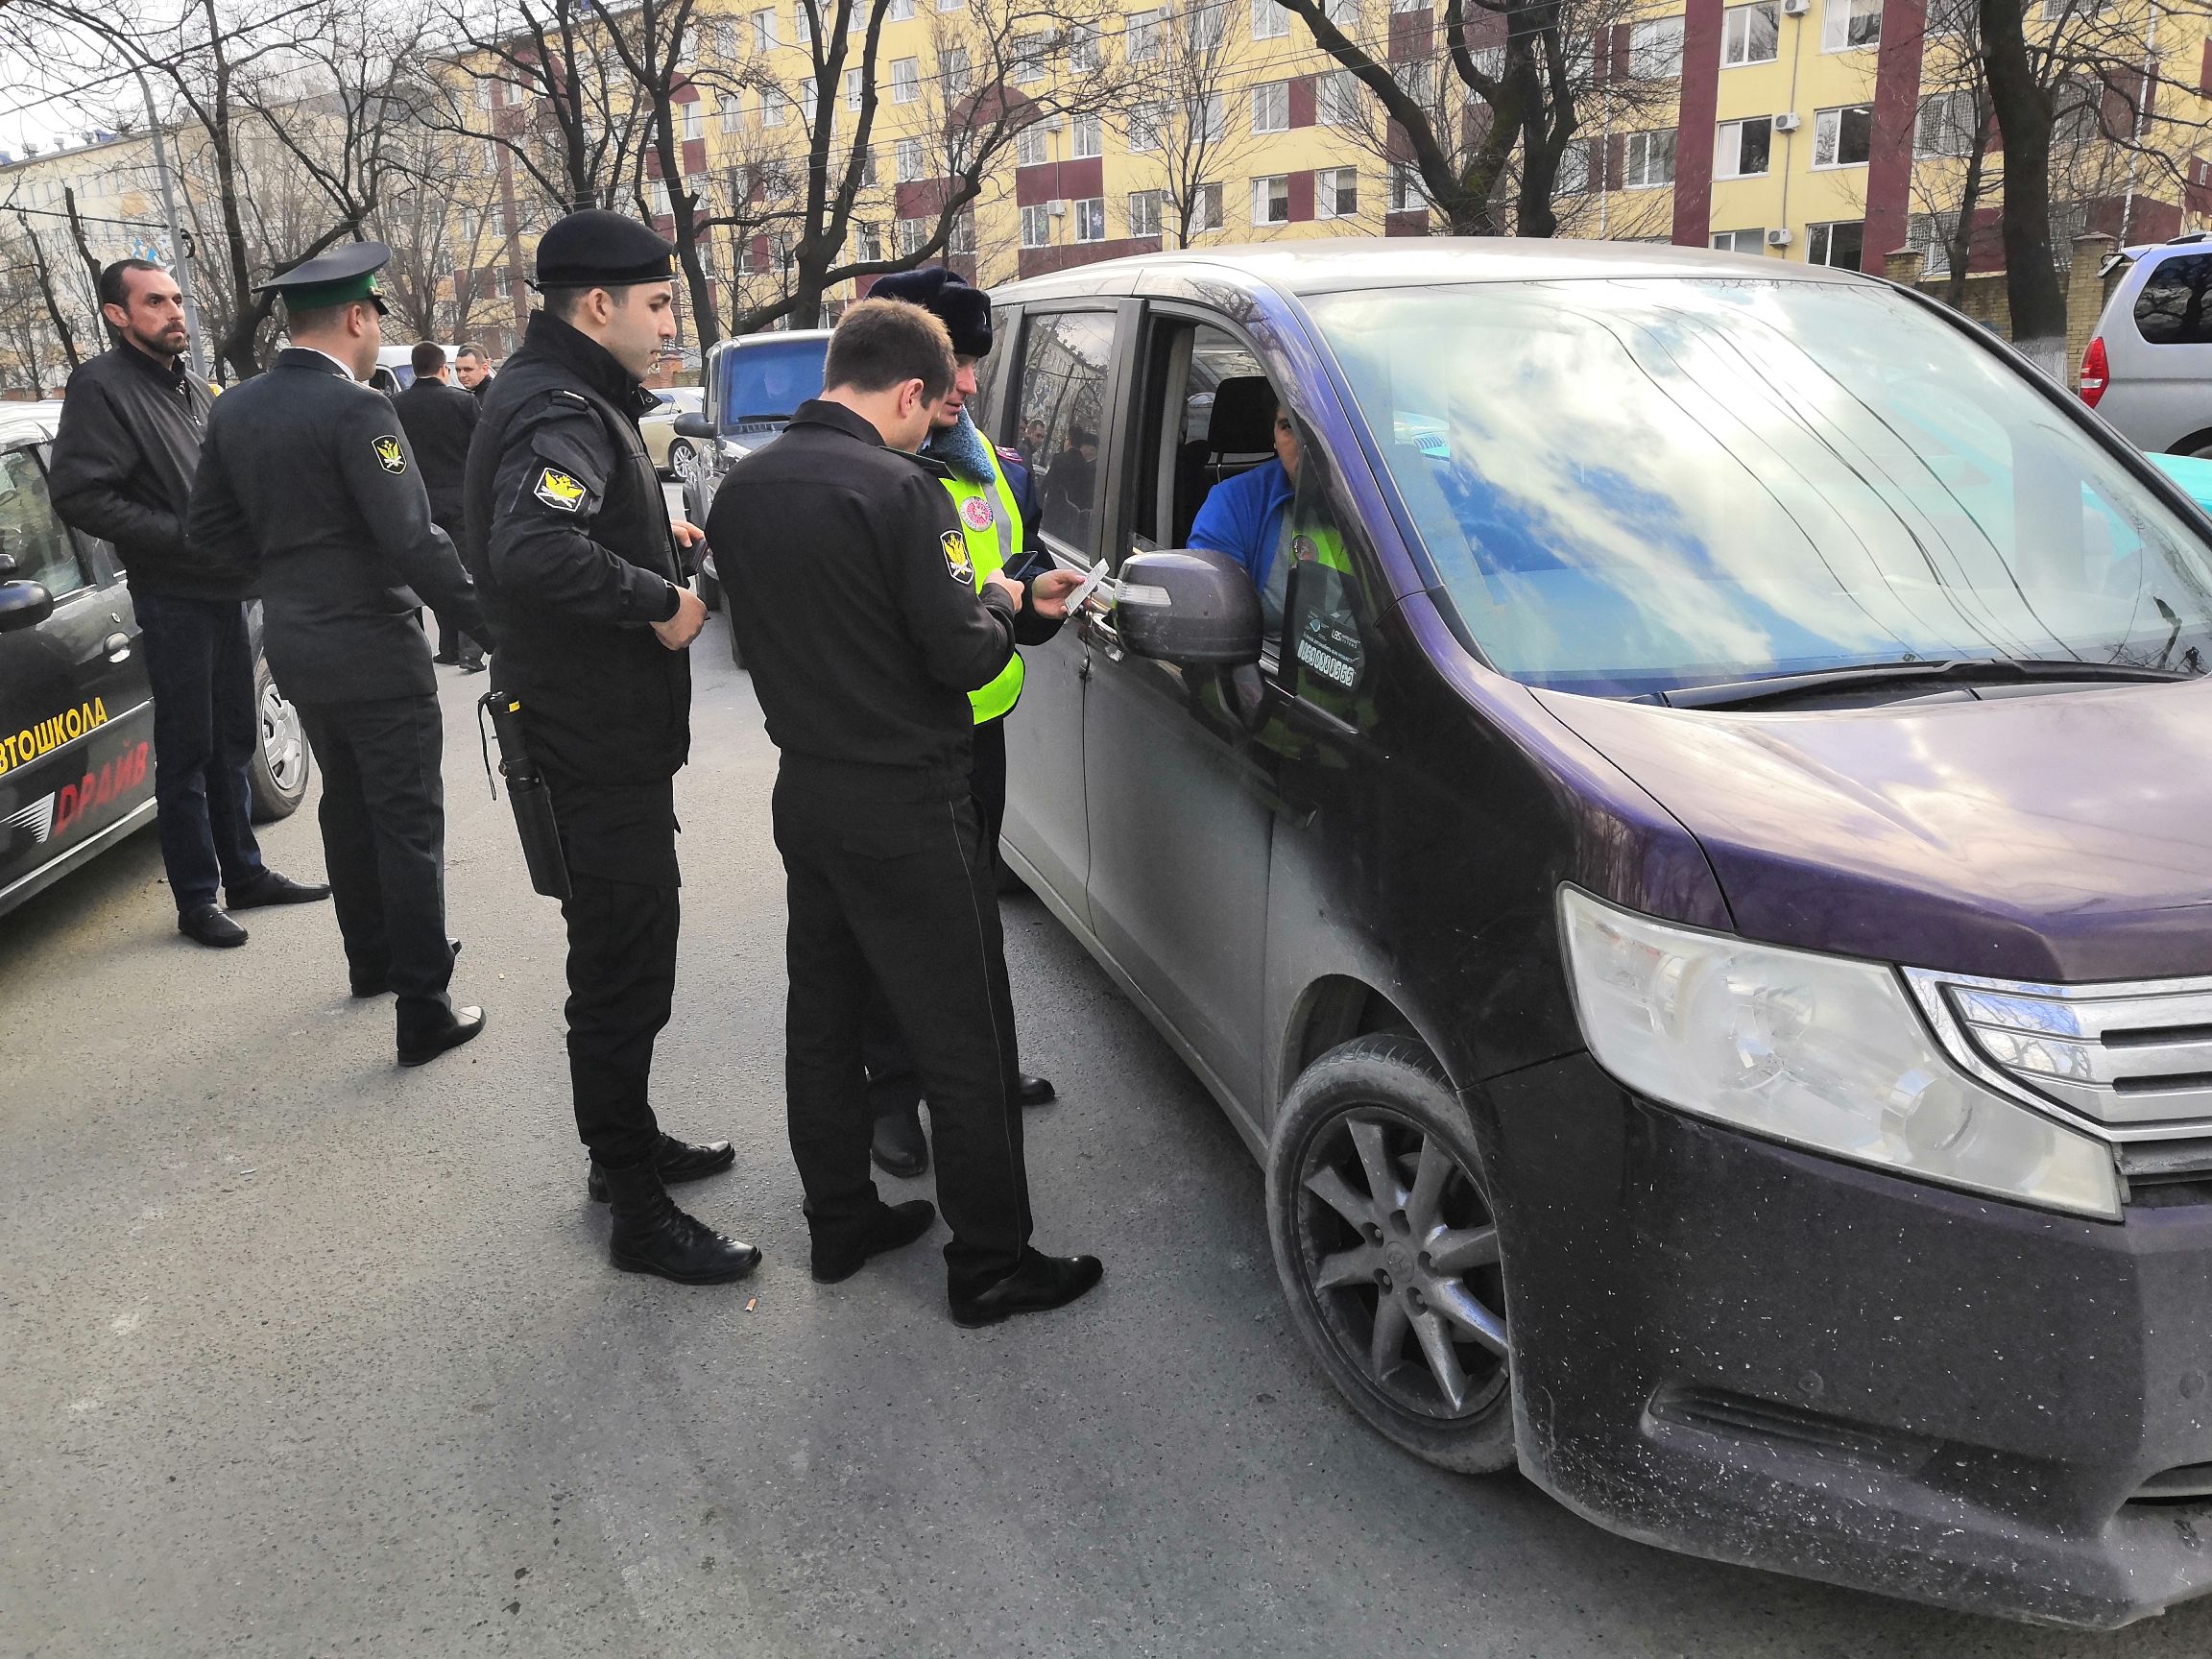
pixel 1091 584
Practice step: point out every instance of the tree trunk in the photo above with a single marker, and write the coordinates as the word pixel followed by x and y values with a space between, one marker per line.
pixel 54 314
pixel 1962 248
pixel 2024 118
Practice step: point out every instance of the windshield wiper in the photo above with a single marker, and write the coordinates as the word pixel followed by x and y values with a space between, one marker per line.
pixel 1958 671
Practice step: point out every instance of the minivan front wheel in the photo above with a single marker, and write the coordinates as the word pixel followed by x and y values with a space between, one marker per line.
pixel 278 772
pixel 1388 1248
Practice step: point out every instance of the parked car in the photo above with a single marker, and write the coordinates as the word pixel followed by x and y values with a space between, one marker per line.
pixel 1701 912
pixel 669 452
pixel 76 715
pixel 394 370
pixel 752 384
pixel 2148 370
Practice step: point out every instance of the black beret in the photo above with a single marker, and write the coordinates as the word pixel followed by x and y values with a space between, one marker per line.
pixel 965 311
pixel 596 249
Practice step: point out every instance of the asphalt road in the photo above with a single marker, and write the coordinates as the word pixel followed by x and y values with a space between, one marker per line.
pixel 303 1355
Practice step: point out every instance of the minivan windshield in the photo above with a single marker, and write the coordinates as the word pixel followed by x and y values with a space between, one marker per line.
pixel 1634 485
pixel 767 380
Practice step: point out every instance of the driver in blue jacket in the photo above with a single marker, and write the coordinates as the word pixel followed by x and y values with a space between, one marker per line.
pixel 1248 519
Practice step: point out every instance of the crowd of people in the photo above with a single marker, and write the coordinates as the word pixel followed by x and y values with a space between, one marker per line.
pixel 521 509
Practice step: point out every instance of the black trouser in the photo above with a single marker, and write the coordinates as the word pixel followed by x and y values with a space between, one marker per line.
pixel 454 642
pixel 383 818
pixel 893 1083
pixel 199 666
pixel 623 914
pixel 897 894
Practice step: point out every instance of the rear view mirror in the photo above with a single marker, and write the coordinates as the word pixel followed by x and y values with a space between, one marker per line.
pixel 693 425
pixel 1195 608
pixel 23 605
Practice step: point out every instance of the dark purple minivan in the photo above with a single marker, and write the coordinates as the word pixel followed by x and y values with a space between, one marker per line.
pixel 1695 880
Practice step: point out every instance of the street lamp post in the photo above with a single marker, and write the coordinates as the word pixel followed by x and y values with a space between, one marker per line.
pixel 178 257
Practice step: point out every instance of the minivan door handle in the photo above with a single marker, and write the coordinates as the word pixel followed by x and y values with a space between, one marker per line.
pixel 117 646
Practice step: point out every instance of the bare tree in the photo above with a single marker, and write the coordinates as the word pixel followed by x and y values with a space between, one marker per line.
pixel 1188 64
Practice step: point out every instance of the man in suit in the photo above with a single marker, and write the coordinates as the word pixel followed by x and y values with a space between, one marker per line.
pixel 306 473
pixel 439 420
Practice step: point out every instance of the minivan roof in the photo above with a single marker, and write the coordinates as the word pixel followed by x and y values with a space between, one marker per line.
pixel 29 420
pixel 1406 262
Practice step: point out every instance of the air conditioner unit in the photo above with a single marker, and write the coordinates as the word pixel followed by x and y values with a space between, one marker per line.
pixel 1788 123
pixel 1058 209
pixel 1777 238
pixel 1795 8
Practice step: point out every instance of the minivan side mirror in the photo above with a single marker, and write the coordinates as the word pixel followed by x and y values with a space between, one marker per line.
pixel 23 605
pixel 1193 608
pixel 691 424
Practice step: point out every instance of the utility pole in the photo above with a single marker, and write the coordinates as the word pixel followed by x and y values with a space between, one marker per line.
pixel 182 261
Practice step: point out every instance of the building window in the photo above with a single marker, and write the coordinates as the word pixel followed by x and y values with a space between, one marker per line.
pixel 1954 16
pixel 854 88
pixel 1336 98
pixel 1271 107
pixel 1840 245
pixel 1850 25
pixel 1648 159
pixel 1946 123
pixel 1206 208
pixel 959 73
pixel 1842 137
pixel 906 161
pixel 1739 241
pixel 899 11
pixel 1655 49
pixel 1207 117
pixel 1031 52
pixel 1743 148
pixel 1930 235
pixel 913 236
pixel 485 88
pixel 1143 212
pixel 772 102
pixel 691 114
pixel 868 169
pixel 1271 199
pixel 1036 225
pixel 1409 195
pixel 1144 34
pixel 765 31
pixel 1573 179
pixel 1145 127
pixel 1091 219
pixel 1085 56
pixel 960 238
pixel 1751 34
pixel 1269 21
pixel 1336 193
pixel 1344 13
pixel 905 80
pixel 1085 140
pixel 733 114
pixel 1029 147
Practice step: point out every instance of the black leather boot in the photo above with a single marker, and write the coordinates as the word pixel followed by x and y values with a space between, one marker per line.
pixel 1039 1285
pixel 900 1147
pixel 652 1236
pixel 675 1161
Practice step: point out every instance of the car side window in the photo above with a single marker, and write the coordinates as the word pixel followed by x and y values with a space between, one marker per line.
pixel 2171 309
pixel 1063 390
pixel 31 533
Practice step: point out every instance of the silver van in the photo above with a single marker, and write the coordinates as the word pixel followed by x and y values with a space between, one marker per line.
pixel 2148 370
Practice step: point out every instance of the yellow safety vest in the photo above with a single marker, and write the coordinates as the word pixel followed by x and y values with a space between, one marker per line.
pixel 982 509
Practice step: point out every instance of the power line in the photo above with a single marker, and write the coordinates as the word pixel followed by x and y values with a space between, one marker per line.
pixel 84 218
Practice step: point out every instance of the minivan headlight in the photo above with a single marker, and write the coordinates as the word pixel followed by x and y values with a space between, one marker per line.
pixel 1820 1052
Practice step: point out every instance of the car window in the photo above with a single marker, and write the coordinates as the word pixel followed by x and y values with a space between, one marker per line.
pixel 30 533
pixel 1064 359
pixel 2170 310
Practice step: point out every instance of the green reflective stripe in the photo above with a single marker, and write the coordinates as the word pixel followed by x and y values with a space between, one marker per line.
pixel 987 553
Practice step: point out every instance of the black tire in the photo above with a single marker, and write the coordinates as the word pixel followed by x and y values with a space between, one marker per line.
pixel 1383 1099
pixel 282 761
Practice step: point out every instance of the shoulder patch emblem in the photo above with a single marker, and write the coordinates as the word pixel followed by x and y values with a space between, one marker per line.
pixel 956 564
pixel 558 491
pixel 389 455
pixel 1006 454
pixel 977 510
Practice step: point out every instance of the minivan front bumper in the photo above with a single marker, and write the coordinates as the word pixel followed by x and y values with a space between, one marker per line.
pixel 1733 1348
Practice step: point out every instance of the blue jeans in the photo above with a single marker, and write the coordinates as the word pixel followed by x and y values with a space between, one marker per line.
pixel 199 663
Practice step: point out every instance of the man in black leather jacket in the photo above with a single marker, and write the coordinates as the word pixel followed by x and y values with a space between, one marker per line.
pixel 124 460
pixel 307 473
pixel 568 535
pixel 440 420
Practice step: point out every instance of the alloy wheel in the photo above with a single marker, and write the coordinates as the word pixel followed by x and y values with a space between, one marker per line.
pixel 283 744
pixel 1401 1258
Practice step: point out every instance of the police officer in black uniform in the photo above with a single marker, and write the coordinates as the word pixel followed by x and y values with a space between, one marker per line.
pixel 568 535
pixel 865 690
pixel 307 471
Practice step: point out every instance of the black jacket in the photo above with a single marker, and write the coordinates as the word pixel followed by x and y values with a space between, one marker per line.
pixel 124 458
pixel 853 598
pixel 440 420
pixel 568 534
pixel 307 471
